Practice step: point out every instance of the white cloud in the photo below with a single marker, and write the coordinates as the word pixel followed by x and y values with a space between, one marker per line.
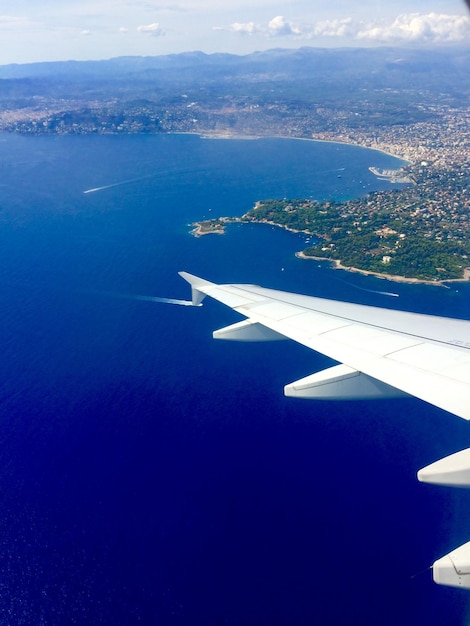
pixel 411 27
pixel 414 27
pixel 334 28
pixel 247 28
pixel 152 29
pixel 243 26
pixel 279 27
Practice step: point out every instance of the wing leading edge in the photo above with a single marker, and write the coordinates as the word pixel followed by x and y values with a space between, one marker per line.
pixel 381 353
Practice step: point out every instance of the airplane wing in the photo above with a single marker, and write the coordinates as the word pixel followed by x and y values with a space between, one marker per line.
pixel 380 353
pixel 384 352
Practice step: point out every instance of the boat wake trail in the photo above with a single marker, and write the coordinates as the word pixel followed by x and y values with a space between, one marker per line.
pixel 122 182
pixel 390 294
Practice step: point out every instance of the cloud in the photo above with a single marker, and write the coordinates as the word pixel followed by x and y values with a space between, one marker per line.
pixel 153 29
pixel 277 27
pixel 414 27
pixel 123 29
pixel 334 28
pixel 85 33
pixel 410 27
pixel 280 27
pixel 247 28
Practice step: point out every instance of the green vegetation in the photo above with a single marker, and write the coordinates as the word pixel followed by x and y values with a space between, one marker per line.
pixel 419 232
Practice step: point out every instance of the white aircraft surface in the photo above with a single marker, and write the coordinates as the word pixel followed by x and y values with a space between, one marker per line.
pixel 381 353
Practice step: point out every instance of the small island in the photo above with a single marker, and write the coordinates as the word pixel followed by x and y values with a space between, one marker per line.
pixel 209 227
pixel 419 233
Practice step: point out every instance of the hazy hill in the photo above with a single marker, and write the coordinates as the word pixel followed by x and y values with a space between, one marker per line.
pixel 281 91
pixel 446 68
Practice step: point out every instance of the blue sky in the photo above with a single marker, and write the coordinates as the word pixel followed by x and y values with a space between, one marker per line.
pixel 99 29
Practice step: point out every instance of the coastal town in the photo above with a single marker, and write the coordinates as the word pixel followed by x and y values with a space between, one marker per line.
pixel 420 232
pixel 440 137
pixel 411 107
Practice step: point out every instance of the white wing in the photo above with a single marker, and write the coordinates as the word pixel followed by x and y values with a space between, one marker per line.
pixel 422 355
pixel 381 353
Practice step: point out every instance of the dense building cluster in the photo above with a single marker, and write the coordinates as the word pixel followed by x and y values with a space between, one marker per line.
pixel 443 141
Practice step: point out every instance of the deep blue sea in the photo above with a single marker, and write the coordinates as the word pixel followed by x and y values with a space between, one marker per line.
pixel 152 475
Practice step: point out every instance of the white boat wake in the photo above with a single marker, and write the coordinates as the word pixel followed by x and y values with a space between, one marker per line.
pixel 391 294
pixel 382 293
pixel 122 182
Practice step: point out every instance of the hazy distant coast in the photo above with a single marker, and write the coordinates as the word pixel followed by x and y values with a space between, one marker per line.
pixel 294 93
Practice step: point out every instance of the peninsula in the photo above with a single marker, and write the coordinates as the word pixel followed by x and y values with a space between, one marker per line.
pixel 421 232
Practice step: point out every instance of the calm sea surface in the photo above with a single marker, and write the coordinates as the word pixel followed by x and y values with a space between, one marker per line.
pixel 151 475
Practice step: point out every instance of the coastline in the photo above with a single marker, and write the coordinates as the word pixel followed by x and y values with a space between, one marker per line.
pixel 199 231
pixel 390 175
pixel 393 277
pixel 357 145
pixel 220 135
